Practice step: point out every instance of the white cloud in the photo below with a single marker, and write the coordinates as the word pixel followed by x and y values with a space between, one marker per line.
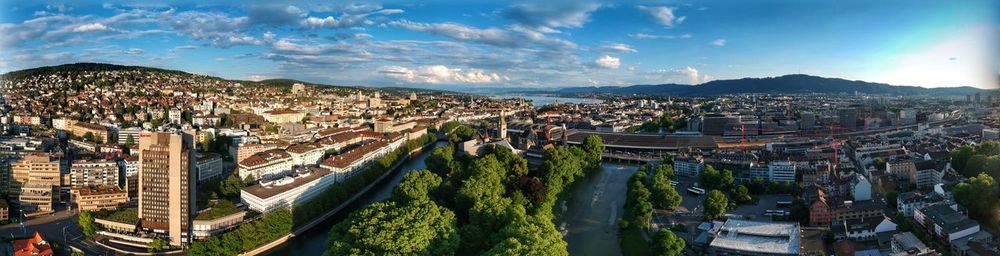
pixel 134 51
pixel 258 77
pixel 608 62
pixel 546 17
pixel 618 47
pixel 719 42
pixel 686 75
pixel 440 74
pixel 90 27
pixel 663 15
pixel 641 36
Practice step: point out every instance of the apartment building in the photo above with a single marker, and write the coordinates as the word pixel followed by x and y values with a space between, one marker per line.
pixel 99 198
pixel 269 164
pixel 89 173
pixel 35 182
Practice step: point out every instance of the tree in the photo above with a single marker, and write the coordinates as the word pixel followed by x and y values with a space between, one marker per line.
pixel 667 244
pixel 664 193
pixel 960 156
pixel 230 188
pixel 157 245
pixel 715 204
pixel 726 179
pixel 975 165
pixel 879 163
pixel 594 147
pixel 741 194
pixel 89 136
pixel 416 186
pixel 980 194
pixel 989 148
pixel 664 169
pixel 388 228
pixel 710 177
pixel 529 235
pixel 86 222
pixel 129 141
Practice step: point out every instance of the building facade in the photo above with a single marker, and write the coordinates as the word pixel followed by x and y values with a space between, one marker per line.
pixel 166 185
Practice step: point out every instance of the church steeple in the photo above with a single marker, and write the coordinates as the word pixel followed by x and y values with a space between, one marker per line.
pixel 503 125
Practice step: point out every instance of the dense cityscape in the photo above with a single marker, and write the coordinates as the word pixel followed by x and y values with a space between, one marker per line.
pixel 488 132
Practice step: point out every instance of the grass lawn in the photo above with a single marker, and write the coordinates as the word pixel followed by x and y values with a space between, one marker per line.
pixel 633 244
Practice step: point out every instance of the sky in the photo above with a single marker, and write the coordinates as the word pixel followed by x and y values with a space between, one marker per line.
pixel 539 44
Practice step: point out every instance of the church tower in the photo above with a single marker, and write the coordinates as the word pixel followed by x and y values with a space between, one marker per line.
pixel 503 125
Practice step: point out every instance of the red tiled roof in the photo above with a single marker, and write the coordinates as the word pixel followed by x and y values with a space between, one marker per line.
pixel 34 246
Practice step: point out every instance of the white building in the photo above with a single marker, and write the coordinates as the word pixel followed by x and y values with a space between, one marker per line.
pixel 861 189
pixel 781 171
pixel 688 166
pixel 349 163
pixel 124 134
pixel 306 153
pixel 287 191
pixel 269 164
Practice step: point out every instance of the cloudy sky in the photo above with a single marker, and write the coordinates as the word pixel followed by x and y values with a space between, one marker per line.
pixel 512 44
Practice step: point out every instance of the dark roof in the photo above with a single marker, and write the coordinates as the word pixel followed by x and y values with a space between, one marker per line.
pixel 949 219
pixel 627 140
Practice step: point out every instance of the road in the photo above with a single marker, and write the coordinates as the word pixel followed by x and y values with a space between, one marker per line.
pixel 59 226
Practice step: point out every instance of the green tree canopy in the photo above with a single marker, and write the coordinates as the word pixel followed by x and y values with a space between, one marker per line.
pixel 385 228
pixel 665 243
pixel 960 156
pixel 416 186
pixel 715 204
pixel 980 194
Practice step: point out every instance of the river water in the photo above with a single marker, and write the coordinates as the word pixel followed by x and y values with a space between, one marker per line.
pixel 590 219
pixel 593 210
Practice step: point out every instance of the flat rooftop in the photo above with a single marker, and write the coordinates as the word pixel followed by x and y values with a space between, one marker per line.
pixel 265 192
pixel 644 141
pixel 758 237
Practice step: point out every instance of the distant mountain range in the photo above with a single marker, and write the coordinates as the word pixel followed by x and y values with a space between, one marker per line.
pixel 783 84
pixel 80 67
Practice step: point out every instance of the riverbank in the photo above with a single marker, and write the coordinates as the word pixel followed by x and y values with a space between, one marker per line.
pixel 305 227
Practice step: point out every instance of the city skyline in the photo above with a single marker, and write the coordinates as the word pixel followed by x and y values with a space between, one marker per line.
pixel 455 45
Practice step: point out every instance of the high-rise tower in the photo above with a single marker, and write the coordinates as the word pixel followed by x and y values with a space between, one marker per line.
pixel 167 185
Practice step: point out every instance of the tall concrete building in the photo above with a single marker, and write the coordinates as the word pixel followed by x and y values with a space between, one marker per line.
pixel 35 182
pixel 167 184
pixel 848 118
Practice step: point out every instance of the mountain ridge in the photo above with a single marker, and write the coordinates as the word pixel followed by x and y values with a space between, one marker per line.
pixel 793 83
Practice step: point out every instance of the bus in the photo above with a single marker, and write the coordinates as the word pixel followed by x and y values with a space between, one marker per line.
pixel 696 191
pixel 779 213
pixel 783 204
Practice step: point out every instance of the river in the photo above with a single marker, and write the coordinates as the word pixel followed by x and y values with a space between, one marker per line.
pixel 593 211
pixel 590 219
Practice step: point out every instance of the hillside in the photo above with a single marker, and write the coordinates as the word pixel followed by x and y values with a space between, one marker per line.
pixel 781 84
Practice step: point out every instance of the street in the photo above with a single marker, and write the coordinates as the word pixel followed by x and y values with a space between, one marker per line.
pixel 60 227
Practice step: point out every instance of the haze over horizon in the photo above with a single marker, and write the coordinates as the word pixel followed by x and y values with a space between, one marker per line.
pixel 454 45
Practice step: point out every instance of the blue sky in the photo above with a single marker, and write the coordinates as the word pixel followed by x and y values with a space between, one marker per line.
pixel 517 44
